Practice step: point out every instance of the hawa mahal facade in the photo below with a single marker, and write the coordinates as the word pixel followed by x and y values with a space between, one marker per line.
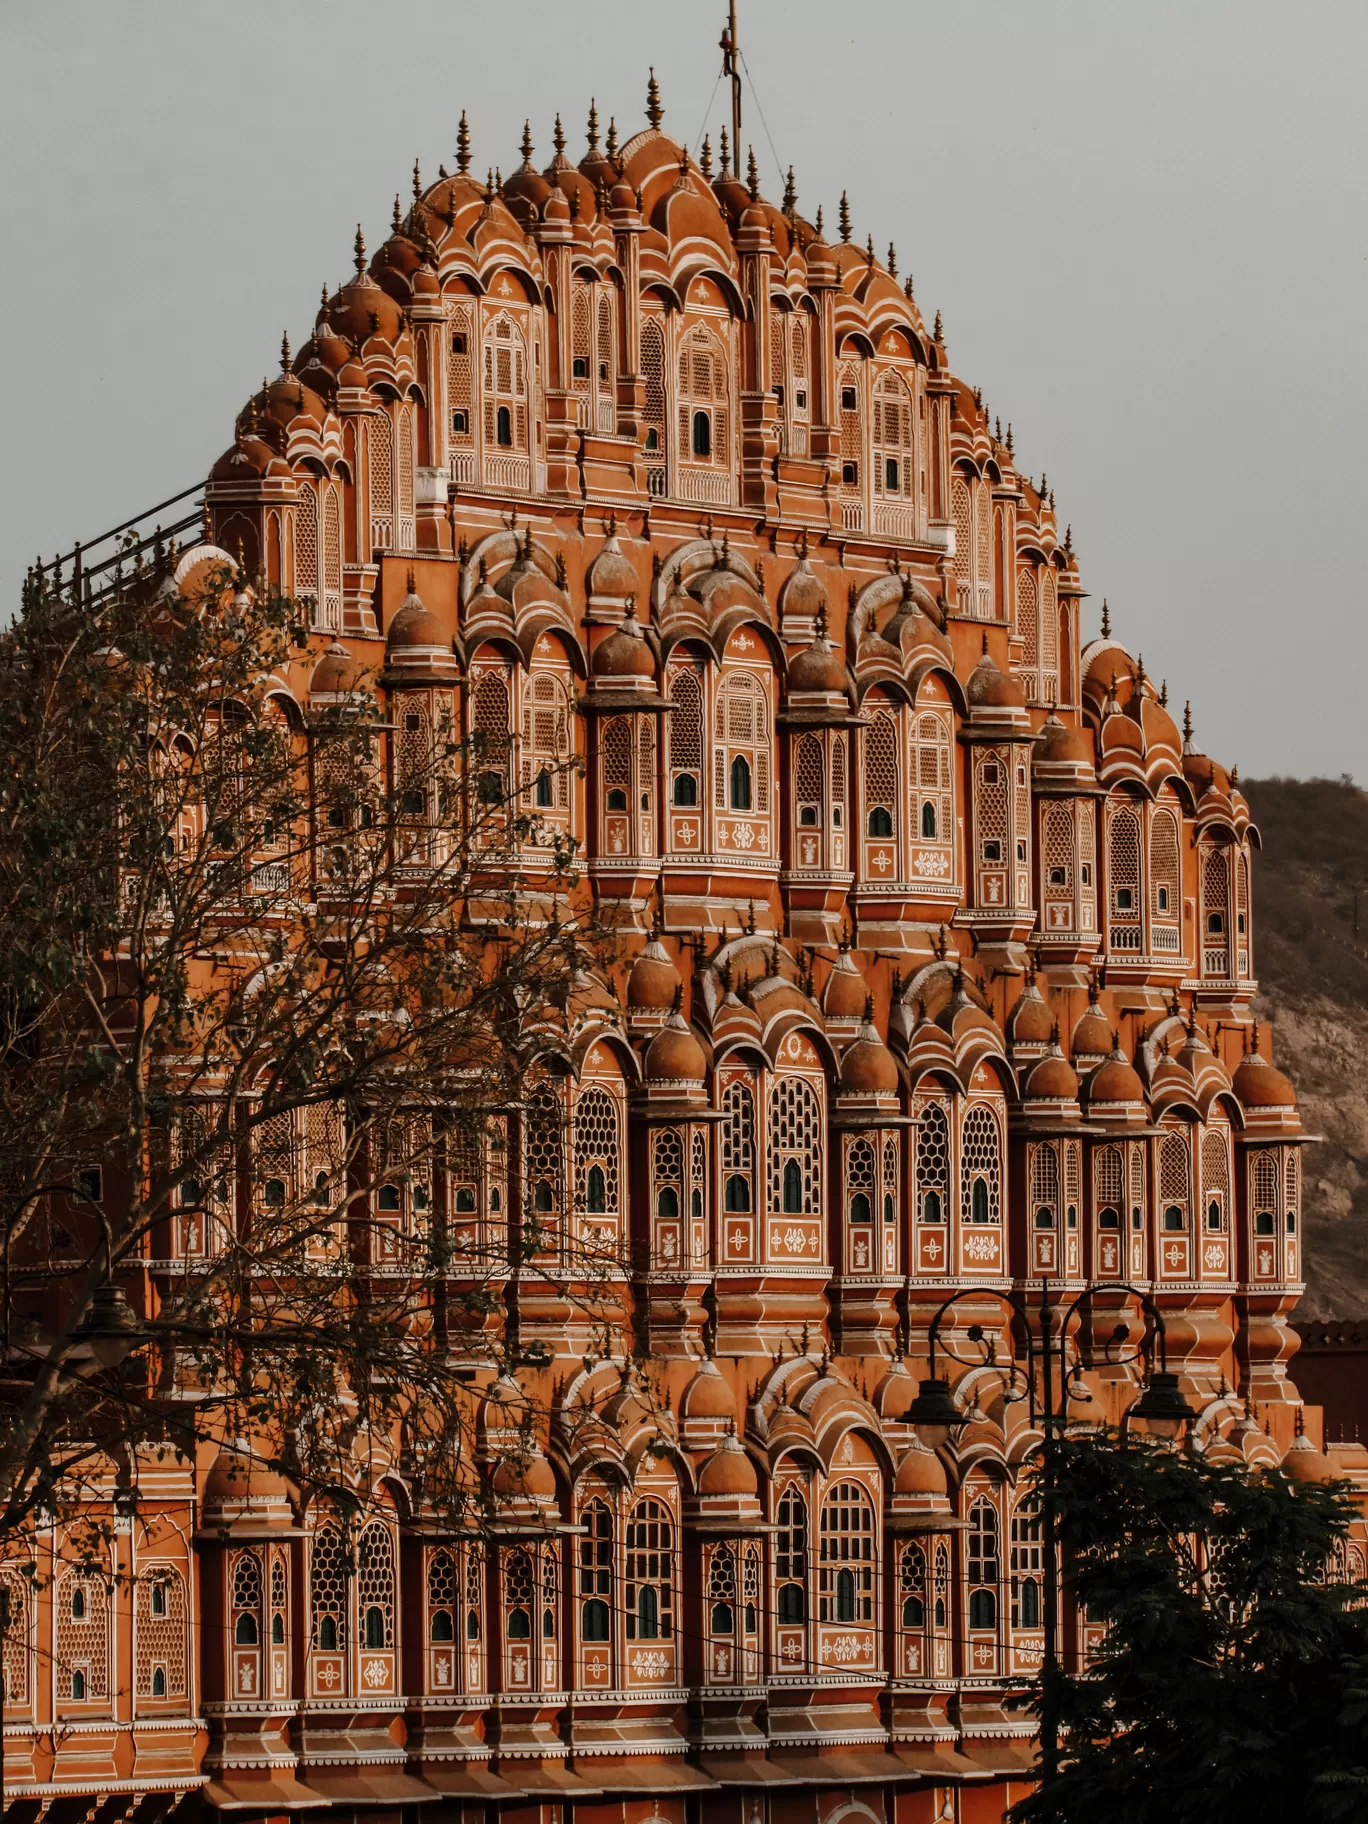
pixel 939 964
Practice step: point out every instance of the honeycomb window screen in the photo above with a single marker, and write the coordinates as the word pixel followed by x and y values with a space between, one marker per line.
pixel 667 1158
pixel 650 1571
pixel 1049 635
pixel 491 729
pixel 306 544
pixel 596 1152
pixel 1059 852
pixel 980 1155
pixel 375 1584
pixel 83 1637
pixel 933 1162
pixel 328 1573
pixel 685 730
pixel 807 780
pixel 275 1162
pixel 581 338
pixel 1165 900
pixel 645 763
pixel 1174 1171
pixel 1124 871
pixel 990 808
pixel 380 450
pixel 1107 1179
pixel 850 382
pixel 519 1590
pixel 722 1584
pixel 1264 1184
pixel 160 1614
pixel 960 512
pixel 546 743
pixel 441 1580
pixel 983 552
pixel 17 1650
pixel 474 1588
pixel 741 727
pixel 912 1586
pixel 738 1135
pixel 1216 1164
pixel 1137 1178
pixel 279 1583
pixel 795 1148
pixel 332 558
pixel 838 772
pixel 655 415
pixel 860 1170
pixel 617 755
pixel 544 1148
pixel 845 1565
pixel 881 777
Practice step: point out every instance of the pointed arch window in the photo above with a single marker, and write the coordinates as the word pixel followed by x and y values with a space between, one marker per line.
pixel 650 1571
pixel 845 1574
pixel 795 1147
pixel 983 1565
pixel 596 1572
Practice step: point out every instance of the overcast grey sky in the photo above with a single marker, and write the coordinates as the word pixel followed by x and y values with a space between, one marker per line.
pixel 1145 225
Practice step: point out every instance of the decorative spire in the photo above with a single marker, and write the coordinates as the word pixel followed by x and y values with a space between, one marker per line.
pixel 907 284
pixel 611 143
pixel 558 138
pixel 397 217
pixel 937 333
pixel 707 159
pixel 323 300
pixel 417 182
pixel 489 187
pixel 526 147
pixel 724 145
pixel 1187 724
pixel 1163 694
pixel 869 251
pixel 818 223
pixel 1068 539
pixel 359 251
pixel 285 353
pixel 1106 619
pixel 1009 437
pixel 892 261
pixel 845 217
pixel 997 430
pixel 752 176
pixel 790 194
pixel 591 132
pixel 654 112
pixel 463 145
pixel 1045 490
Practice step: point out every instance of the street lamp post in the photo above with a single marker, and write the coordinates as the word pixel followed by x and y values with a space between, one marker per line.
pixel 934 1415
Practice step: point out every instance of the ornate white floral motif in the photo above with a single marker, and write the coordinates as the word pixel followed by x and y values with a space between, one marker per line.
pixel 981 1247
pixel 650 1662
pixel 376 1673
pixel 845 1648
pixel 931 866
pixel 743 836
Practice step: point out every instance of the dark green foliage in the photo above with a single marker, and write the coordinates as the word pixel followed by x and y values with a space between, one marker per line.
pixel 1233 1679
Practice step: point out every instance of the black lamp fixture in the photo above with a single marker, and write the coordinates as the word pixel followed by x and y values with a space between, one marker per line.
pixel 933 1414
pixel 110 1327
pixel 1162 1405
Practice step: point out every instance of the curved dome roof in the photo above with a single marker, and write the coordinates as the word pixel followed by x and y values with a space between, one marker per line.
pixel 728 1471
pixel 868 1067
pixel 624 654
pixel 654 983
pixel 337 673
pixel 675 1055
pixel 707 1395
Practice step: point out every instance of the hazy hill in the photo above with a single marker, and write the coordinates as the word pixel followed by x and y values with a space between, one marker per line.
pixel 1311 958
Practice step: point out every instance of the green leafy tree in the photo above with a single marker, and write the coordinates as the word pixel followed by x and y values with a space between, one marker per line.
pixel 1232 1678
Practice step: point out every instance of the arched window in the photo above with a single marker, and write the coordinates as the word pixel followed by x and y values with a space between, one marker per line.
pixel 1165 893
pixel 519 1590
pixel 881 777
pixel 808 774
pixel 860 1181
pixel 1026 1565
pixel 667 1203
pixel 650 1571
pixel 543 1143
pixel 328 1578
pixel 595 1571
pixel 375 1583
pixel 893 447
pixel 850 420
pixel 491 729
pixel 740 796
pixel 795 1136
pixel 941 1609
pixel 738 1147
pixel 845 1572
pixel 684 732
pixel 245 1591
pixel 655 413
pixel 597 1152
pixel 703 405
pixel 932 777
pixel 741 726
pixel 15 1664
pixel 245 1630
pixel 1175 1188
pixel 380 450
pixel 546 741
pixel 912 1586
pixel 474 1577
pixel 505 384
pixel 722 1590
pixel 980 1175
pixel 1124 862
pixel 790 1554
pixel 933 1162
pixel 983 1565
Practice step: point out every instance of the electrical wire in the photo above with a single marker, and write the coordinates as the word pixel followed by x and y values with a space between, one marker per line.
pixel 763 122
pixel 698 137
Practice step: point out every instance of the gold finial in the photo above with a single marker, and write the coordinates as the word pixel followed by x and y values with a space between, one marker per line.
pixel 611 143
pixel 527 146
pixel 1106 619
pixel 845 217
pixel 417 182
pixel 285 352
pixel 396 219
pixel 752 175
pixel 790 194
pixel 592 131
pixel 705 161
pixel 558 139
pixel 654 112
pixel 725 154
pixel 463 145
pixel 359 251
pixel 892 261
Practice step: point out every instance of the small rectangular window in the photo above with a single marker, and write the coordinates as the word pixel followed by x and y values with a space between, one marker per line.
pixel 891 474
pixel 850 474
pixel 992 851
pixel 800 400
pixel 460 424
pixel 1087 873
pixel 779 394
pixel 579 368
pixel 990 773
pixel 1021 851
pixel 847 398
pixel 458 344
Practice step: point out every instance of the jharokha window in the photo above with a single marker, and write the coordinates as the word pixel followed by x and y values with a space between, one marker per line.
pixel 596 1572
pixel 845 1576
pixel 650 1572
pixel 790 1556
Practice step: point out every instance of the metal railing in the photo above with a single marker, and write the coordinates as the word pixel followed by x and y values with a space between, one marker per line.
pixel 100 565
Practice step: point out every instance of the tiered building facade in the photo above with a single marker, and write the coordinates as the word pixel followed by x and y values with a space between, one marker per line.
pixel 940 959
